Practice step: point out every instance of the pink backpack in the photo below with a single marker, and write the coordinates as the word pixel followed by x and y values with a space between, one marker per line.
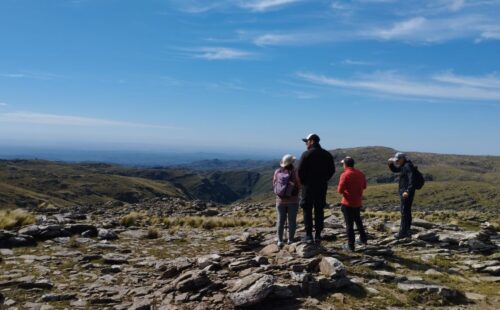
pixel 285 184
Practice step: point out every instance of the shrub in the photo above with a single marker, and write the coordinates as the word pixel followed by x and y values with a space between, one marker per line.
pixel 131 219
pixel 153 233
pixel 10 219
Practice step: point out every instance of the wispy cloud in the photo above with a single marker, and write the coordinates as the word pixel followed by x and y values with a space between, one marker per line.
pixel 351 62
pixel 3 104
pixel 220 53
pixel 438 87
pixel 68 120
pixel 430 30
pixel 258 6
pixel 265 5
pixel 29 75
pixel 306 37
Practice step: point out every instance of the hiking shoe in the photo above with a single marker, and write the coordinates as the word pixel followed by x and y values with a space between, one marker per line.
pixel 346 247
pixel 317 240
pixel 361 242
pixel 308 239
pixel 398 236
pixel 281 244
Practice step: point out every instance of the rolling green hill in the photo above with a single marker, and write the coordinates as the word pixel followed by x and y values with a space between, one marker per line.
pixel 453 181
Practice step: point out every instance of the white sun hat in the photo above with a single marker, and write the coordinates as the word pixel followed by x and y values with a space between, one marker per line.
pixel 287 160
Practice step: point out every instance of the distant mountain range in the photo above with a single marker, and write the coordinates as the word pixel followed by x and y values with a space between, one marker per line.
pixel 454 181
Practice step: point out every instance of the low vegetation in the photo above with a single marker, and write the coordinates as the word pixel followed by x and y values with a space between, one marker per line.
pixel 211 222
pixel 10 219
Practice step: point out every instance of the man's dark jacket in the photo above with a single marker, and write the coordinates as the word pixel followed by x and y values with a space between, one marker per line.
pixel 406 183
pixel 316 166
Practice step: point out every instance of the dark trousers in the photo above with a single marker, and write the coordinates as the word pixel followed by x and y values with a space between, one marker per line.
pixel 351 216
pixel 405 208
pixel 314 198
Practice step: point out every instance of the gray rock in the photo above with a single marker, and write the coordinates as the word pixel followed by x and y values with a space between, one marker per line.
pixel 191 281
pixel 421 287
pixel 248 295
pixel 174 267
pixel 493 270
pixel 58 297
pixel 281 291
pixel 114 259
pixel 242 264
pixel 141 304
pixel 77 229
pixel 30 284
pixel 208 260
pixel 422 223
pixel 428 236
pixel 306 250
pixel 332 267
pixel 106 234
pixel 270 250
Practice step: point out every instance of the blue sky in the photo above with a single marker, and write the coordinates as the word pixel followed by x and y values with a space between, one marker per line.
pixel 251 76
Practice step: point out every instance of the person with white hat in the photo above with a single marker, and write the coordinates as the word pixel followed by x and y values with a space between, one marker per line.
pixel 316 168
pixel 286 186
pixel 402 165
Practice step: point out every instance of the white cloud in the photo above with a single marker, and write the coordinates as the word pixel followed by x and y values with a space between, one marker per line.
pixel 432 30
pixel 487 81
pixel 29 75
pixel 221 53
pixel 265 5
pixel 401 29
pixel 456 5
pixel 3 104
pixel 356 62
pixel 68 120
pixel 452 87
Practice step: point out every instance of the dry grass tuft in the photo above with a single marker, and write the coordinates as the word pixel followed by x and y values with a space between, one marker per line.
pixel 131 219
pixel 153 233
pixel 10 219
pixel 212 222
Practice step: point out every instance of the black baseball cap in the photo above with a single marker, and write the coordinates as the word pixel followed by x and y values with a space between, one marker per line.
pixel 311 136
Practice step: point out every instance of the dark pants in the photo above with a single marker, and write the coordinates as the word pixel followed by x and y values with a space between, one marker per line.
pixel 405 208
pixel 351 216
pixel 314 198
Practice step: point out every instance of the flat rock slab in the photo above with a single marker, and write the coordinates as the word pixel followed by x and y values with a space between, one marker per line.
pixel 423 287
pixel 115 259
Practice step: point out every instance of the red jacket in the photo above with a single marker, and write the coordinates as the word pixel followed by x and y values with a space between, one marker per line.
pixel 351 185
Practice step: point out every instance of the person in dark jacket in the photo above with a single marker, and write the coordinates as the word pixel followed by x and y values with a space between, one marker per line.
pixel 402 165
pixel 315 170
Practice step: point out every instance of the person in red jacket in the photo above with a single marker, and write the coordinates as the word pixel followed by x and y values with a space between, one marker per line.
pixel 351 185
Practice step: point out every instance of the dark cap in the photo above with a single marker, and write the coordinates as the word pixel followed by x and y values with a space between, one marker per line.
pixel 349 161
pixel 311 136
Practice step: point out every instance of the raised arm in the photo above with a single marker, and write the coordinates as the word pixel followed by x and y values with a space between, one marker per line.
pixel 393 167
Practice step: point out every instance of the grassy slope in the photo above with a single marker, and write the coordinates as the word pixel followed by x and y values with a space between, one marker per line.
pixel 25 183
pixel 459 182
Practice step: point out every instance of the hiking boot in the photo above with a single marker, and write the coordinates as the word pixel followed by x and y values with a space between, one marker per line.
pixel 281 244
pixel 358 241
pixel 308 239
pixel 317 238
pixel 398 236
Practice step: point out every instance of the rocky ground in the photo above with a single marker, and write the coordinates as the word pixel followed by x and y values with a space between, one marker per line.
pixel 89 258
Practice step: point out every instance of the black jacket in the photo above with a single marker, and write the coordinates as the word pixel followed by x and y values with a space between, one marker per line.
pixel 316 166
pixel 405 176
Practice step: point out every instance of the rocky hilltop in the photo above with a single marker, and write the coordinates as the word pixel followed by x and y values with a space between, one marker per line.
pixel 173 253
